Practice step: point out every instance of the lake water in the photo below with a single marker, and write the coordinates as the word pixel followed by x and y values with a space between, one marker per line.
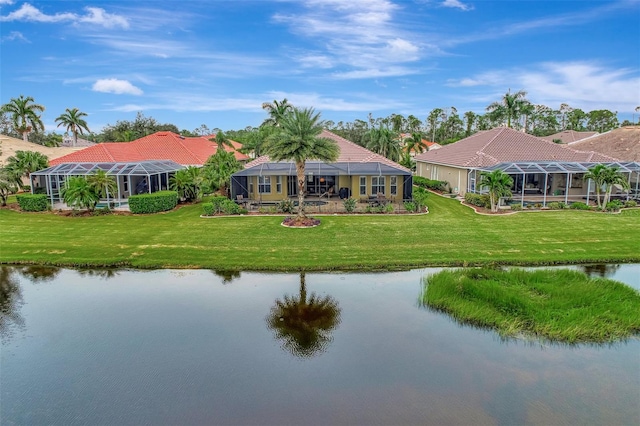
pixel 198 347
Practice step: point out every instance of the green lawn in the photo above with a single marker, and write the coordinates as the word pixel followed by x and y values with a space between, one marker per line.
pixel 450 234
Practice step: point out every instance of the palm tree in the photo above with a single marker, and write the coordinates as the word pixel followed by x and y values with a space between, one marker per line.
pixel 415 143
pixel 222 141
pixel 304 324
pixel 509 106
pixel 23 163
pixel 79 193
pixel 298 141
pixel 277 111
pixel 397 122
pixel 24 115
pixel 499 185
pixel 72 120
pixel 218 169
pixel 597 174
pixel 612 176
pixel 187 183
pixel 383 141
pixel 103 184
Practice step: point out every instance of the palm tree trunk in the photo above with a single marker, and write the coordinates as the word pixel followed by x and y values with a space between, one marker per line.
pixel 75 139
pixel 300 172
pixel 25 136
pixel 303 288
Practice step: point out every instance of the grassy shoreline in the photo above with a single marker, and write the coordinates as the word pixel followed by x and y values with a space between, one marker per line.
pixel 556 305
pixel 450 235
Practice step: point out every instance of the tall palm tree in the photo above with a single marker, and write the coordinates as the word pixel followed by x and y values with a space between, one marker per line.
pixel 222 141
pixel 597 174
pixel 298 140
pixel 612 176
pixel 304 324
pixel 24 115
pixel 415 143
pixel 277 111
pixel 23 163
pixel 103 184
pixel 218 169
pixel 509 106
pixel 499 185
pixel 383 141
pixel 397 122
pixel 72 120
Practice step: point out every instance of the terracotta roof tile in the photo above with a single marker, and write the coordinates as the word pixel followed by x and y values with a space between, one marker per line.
pixel 502 144
pixel 157 146
pixel 568 136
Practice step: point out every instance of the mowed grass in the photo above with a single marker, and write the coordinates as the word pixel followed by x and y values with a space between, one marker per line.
pixel 451 234
pixel 558 305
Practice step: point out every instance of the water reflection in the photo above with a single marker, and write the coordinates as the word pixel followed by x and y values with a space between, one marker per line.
pixel 227 276
pixel 39 273
pixel 105 273
pixel 304 324
pixel 603 270
pixel 10 303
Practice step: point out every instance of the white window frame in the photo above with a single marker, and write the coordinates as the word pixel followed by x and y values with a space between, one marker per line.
pixel 393 184
pixel 363 185
pixel 279 184
pixel 264 184
pixel 377 183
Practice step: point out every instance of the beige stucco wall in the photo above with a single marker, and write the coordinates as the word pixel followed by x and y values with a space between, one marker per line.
pixel 455 176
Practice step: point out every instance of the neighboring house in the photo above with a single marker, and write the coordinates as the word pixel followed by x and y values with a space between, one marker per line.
pixel 568 136
pixel 9 146
pixel 187 151
pixel 357 172
pixel 541 169
pixel 430 145
pixel 141 166
pixel 622 143
pixel 67 140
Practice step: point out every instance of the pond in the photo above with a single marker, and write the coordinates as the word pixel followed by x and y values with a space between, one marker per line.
pixel 203 347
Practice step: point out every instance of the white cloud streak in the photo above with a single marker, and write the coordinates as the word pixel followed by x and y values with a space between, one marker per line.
pixel 457 4
pixel 13 36
pixel 116 86
pixel 93 15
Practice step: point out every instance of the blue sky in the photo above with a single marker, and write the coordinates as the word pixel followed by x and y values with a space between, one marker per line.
pixel 215 62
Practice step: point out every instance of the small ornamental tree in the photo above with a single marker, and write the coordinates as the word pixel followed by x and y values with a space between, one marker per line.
pixel 499 185
pixel 79 193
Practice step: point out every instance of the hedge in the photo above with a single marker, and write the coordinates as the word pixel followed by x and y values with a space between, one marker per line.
pixel 221 205
pixel 32 202
pixel 480 200
pixel 153 203
pixel 423 182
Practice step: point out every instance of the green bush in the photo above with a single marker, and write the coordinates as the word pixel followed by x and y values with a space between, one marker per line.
pixel 516 207
pixel 229 207
pixel 350 204
pixel 217 203
pixel 630 203
pixel 557 205
pixel 153 203
pixel 207 209
pixel 579 206
pixel 33 202
pixel 286 206
pixel 480 200
pixel 410 206
pixel 388 208
pixel 422 182
pixel 613 206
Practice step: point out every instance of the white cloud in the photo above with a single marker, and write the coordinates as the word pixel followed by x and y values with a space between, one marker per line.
pixel 14 35
pixel 94 15
pixel 113 85
pixel 457 4
pixel 585 85
pixel 6 2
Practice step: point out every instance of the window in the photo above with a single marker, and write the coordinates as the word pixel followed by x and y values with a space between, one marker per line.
pixel 250 186
pixel 264 184
pixel 279 184
pixel 377 184
pixel 363 185
pixel 393 182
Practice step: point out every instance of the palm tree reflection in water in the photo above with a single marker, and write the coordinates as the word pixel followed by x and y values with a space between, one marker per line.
pixel 10 303
pixel 304 324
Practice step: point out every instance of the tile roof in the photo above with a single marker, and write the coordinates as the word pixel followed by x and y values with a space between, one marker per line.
pixel 158 146
pixel 350 152
pixel 502 144
pixel 622 143
pixel 568 136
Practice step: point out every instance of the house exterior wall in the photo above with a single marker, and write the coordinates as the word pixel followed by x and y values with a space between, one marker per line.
pixel 457 177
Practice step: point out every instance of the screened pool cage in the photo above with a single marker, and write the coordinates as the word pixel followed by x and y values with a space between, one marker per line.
pixel 544 182
pixel 131 178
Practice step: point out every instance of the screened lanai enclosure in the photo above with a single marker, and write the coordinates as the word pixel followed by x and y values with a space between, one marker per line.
pixel 272 181
pixel 131 178
pixel 545 182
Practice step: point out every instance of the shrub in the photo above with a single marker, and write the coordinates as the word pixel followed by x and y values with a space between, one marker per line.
pixel 229 207
pixel 207 209
pixel 410 206
pixel 579 206
pixel 420 196
pixel 422 182
pixel 217 202
pixel 101 211
pixel 286 206
pixel 388 208
pixel 557 205
pixel 350 204
pixel 32 202
pixel 480 200
pixel 613 206
pixel 516 207
pixel 630 203
pixel 153 203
